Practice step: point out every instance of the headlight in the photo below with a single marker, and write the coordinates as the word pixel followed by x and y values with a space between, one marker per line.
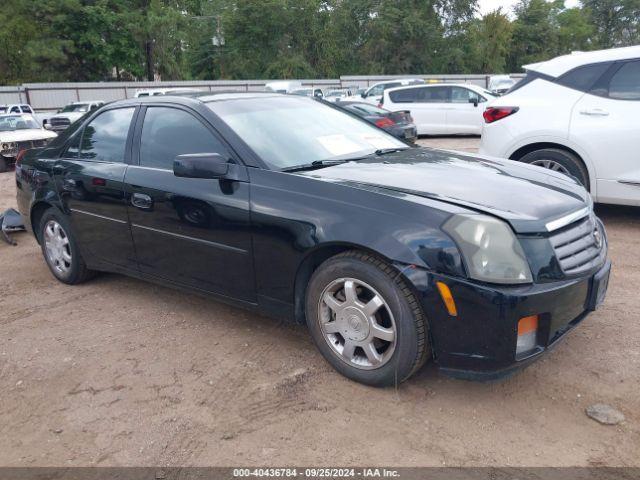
pixel 490 249
pixel 9 146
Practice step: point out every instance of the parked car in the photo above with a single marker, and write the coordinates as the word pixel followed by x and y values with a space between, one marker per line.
pixel 17 108
pixel 69 114
pixel 398 124
pixel 308 92
pixel 284 86
pixel 500 84
pixel 441 109
pixel 151 92
pixel 288 206
pixel 337 94
pixel 19 132
pixel 374 93
pixel 576 114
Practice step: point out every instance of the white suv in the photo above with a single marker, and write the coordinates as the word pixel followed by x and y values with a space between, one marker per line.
pixel 577 114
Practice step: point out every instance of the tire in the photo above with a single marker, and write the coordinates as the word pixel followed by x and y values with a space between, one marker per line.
pixel 561 161
pixel 4 165
pixel 397 329
pixel 60 249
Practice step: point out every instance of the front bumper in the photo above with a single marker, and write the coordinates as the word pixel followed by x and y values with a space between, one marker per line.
pixel 480 342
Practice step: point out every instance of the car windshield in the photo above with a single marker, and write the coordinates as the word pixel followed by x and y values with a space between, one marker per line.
pixel 9 123
pixel 290 131
pixel 76 107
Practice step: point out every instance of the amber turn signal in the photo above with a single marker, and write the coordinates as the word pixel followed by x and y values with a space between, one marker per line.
pixel 447 298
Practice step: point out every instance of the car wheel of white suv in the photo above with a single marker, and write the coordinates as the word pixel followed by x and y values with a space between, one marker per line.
pixel 559 161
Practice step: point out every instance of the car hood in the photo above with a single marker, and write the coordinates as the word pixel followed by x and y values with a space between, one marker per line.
pixel 26 135
pixel 526 196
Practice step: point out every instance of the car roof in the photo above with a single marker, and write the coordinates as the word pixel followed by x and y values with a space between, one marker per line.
pixel 560 65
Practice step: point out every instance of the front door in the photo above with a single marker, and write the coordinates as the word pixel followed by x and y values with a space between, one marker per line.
pixel 90 181
pixel 429 110
pixel 195 232
pixel 464 113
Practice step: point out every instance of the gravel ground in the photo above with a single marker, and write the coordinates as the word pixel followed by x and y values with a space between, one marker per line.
pixel 122 372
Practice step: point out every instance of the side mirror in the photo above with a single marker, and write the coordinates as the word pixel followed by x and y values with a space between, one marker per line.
pixel 474 101
pixel 363 94
pixel 200 165
pixel 46 126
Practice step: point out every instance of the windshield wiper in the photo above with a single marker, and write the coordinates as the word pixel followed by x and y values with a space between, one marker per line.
pixel 314 165
pixel 328 163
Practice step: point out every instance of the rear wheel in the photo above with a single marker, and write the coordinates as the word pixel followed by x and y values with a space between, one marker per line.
pixel 365 320
pixel 60 249
pixel 559 161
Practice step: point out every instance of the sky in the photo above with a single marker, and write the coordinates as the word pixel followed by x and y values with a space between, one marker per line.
pixel 487 6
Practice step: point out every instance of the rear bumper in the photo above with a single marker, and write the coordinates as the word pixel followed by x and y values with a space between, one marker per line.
pixel 480 342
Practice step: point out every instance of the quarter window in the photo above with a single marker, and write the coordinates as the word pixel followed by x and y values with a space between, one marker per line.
pixel 625 84
pixel 105 138
pixel 169 132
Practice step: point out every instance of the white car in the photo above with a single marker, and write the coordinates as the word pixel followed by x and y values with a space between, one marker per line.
pixel 337 95
pixel 283 86
pixel 373 94
pixel 500 84
pixel 69 114
pixel 577 114
pixel 441 108
pixel 20 132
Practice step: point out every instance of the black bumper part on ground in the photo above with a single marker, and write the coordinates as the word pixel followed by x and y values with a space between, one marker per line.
pixel 480 342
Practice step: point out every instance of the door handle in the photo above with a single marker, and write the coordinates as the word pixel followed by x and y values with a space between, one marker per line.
pixel 594 112
pixel 142 201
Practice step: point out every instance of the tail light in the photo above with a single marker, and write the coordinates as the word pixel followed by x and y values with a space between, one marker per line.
pixel 384 122
pixel 492 114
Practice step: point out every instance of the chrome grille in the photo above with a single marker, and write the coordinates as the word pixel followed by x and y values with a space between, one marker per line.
pixel 580 246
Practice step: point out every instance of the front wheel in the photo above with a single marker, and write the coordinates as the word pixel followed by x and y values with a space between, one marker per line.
pixel 365 320
pixel 60 249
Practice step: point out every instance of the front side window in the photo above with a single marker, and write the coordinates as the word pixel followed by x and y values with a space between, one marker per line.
pixel 26 109
pixel 169 132
pixel 464 95
pixel 105 137
pixel 291 131
pixel 625 84
pixel 15 109
pixel 375 91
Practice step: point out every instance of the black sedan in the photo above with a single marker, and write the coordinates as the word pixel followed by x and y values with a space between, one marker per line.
pixel 392 255
pixel 398 124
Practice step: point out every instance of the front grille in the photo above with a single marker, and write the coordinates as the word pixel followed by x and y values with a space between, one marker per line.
pixel 60 122
pixel 580 246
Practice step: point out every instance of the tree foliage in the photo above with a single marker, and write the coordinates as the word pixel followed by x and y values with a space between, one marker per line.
pixel 96 40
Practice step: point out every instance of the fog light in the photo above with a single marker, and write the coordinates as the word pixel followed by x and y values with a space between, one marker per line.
pixel 527 334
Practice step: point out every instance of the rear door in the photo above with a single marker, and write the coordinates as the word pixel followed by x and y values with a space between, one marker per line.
pixel 464 113
pixel 90 181
pixel 429 111
pixel 605 124
pixel 191 231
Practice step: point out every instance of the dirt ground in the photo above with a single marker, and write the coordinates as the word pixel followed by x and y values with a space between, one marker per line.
pixel 122 372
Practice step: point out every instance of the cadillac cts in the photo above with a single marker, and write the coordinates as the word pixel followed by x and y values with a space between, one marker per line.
pixel 392 255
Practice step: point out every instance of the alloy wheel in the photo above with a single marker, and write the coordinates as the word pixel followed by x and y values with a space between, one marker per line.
pixel 357 323
pixel 551 165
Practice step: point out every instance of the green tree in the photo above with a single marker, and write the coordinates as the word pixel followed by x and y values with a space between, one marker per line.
pixel 616 22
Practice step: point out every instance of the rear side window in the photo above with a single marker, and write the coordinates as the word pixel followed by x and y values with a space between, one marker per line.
pixel 625 83
pixel 433 94
pixel 15 109
pixel 105 137
pixel 583 78
pixel 169 132
pixel 408 95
